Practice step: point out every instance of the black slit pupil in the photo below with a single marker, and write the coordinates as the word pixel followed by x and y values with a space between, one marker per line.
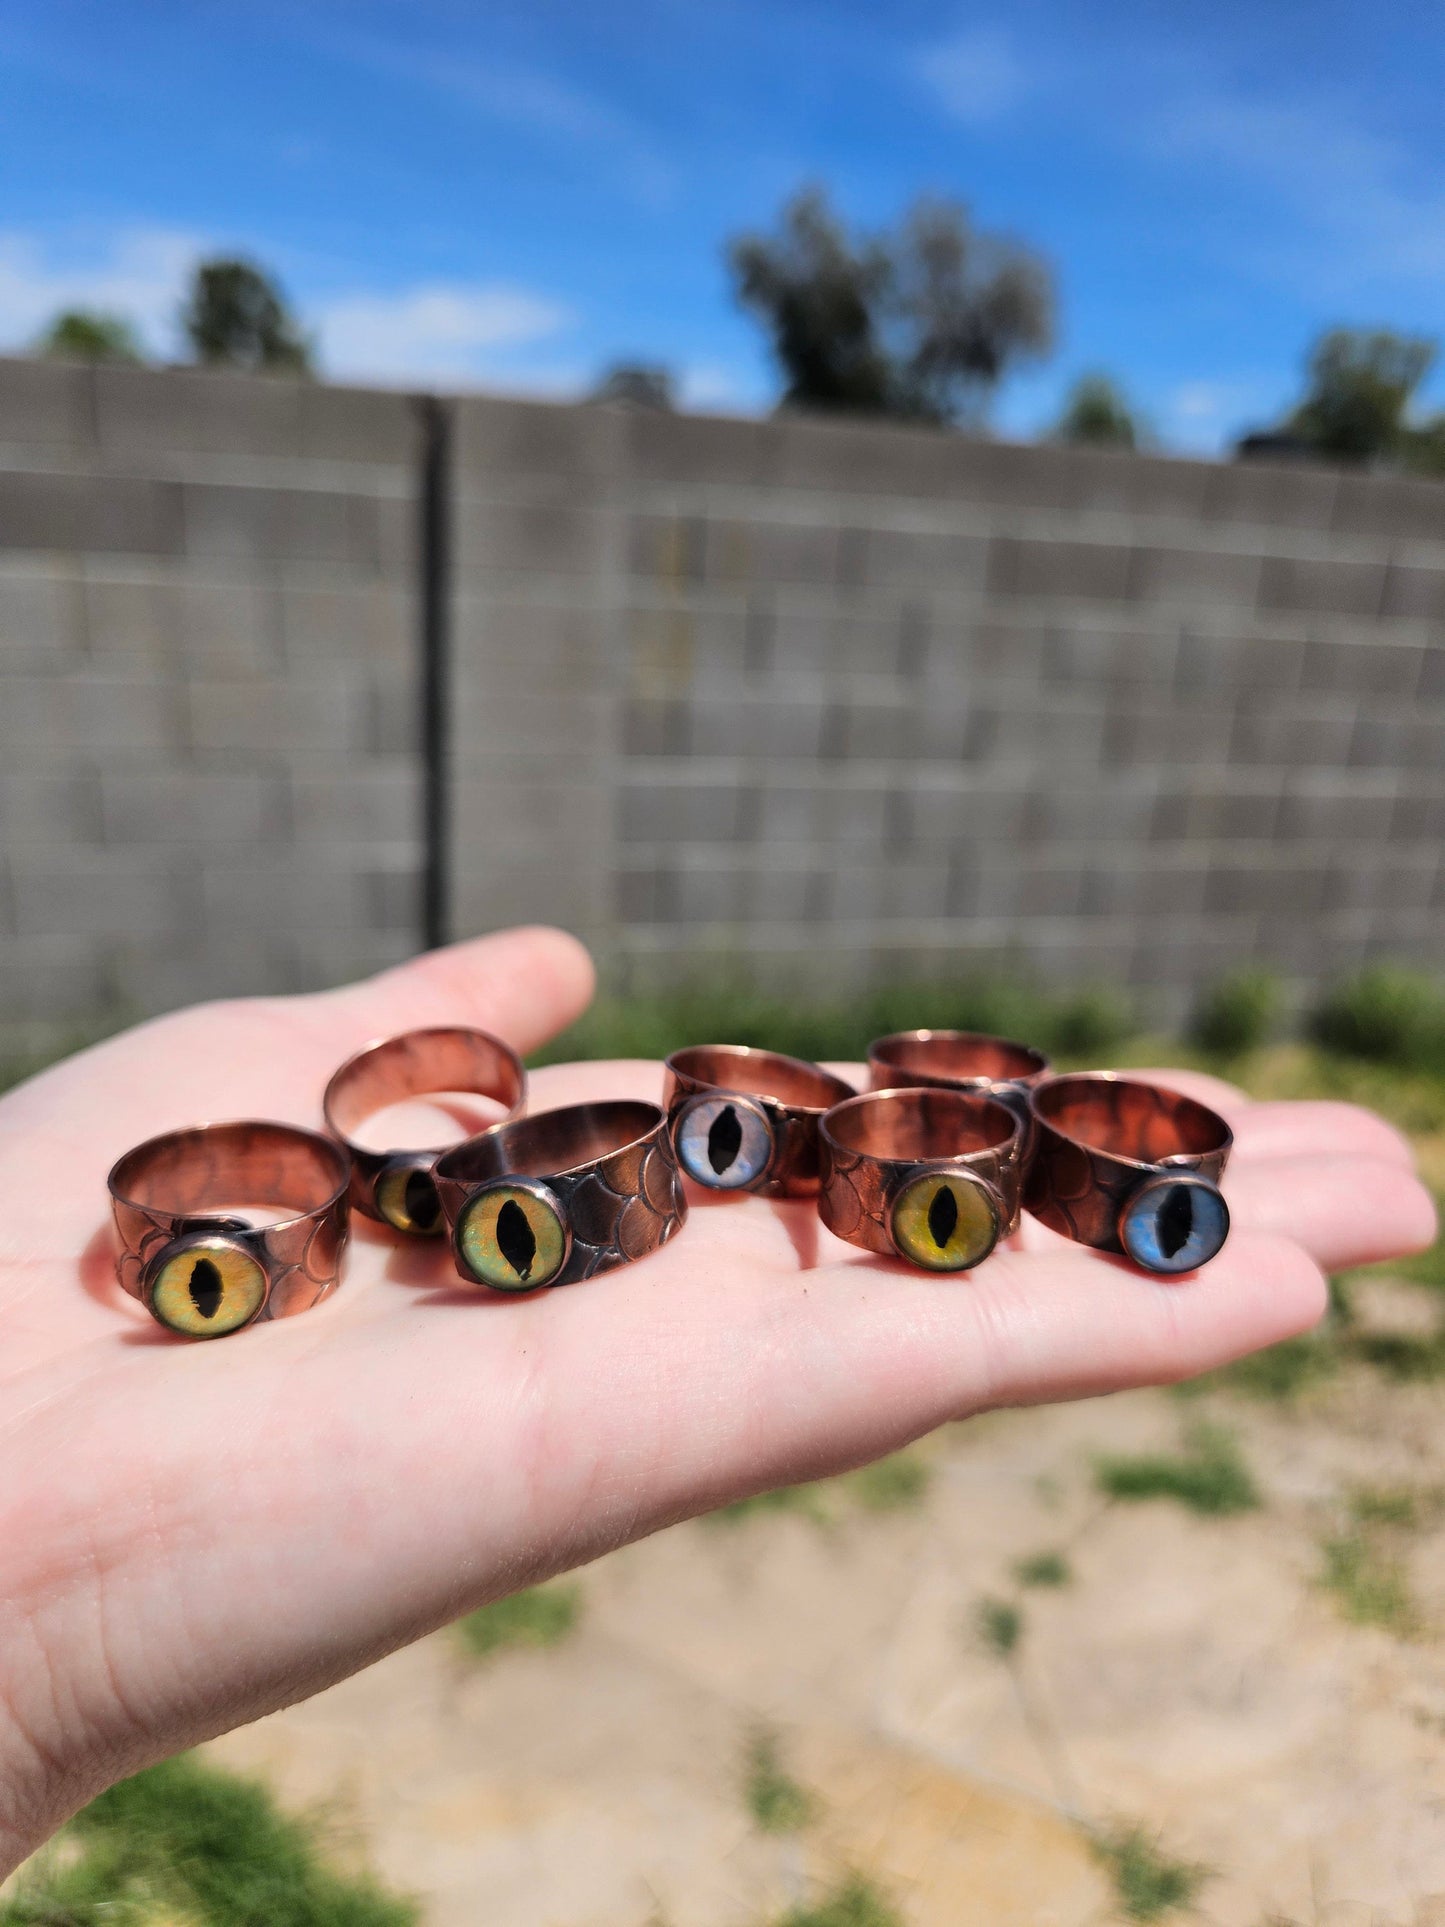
pixel 422 1202
pixel 1176 1220
pixel 516 1239
pixel 207 1288
pixel 943 1216
pixel 724 1140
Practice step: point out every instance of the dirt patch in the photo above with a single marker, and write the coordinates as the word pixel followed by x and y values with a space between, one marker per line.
pixel 1188 1675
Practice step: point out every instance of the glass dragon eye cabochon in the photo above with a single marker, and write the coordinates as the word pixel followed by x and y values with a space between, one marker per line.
pixel 512 1237
pixel 724 1141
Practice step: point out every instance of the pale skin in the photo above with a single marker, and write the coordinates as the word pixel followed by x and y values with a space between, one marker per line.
pixel 192 1535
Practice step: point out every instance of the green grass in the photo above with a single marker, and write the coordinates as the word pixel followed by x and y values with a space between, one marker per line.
pixel 1000 1625
pixel 1390 1505
pixel 1044 1569
pixel 540 1616
pixel 1281 1372
pixel 776 1801
pixel 893 1484
pixel 802 1499
pixel 855 1903
pixel 1148 1883
pixel 1238 1014
pixel 888 1485
pixel 1209 1477
pixel 188 1845
pixel 1368 1585
pixel 1085 1022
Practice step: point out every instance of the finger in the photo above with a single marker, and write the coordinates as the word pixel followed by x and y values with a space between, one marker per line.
pixel 525 985
pixel 1343 1210
pixel 1305 1128
pixel 270 1057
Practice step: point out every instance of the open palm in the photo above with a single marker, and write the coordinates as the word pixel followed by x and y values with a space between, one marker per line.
pixel 192 1535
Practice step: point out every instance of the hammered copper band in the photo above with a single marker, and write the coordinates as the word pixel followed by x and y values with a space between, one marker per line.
pixel 747 1120
pixel 560 1196
pixel 185 1251
pixel 1131 1168
pixel 395 1187
pixel 930 1176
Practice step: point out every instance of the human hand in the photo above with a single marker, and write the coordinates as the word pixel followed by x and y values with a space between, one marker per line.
pixel 192 1535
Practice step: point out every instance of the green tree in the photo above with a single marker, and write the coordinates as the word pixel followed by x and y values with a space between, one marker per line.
pixel 87 334
pixel 237 317
pixel 1361 383
pixel 1096 411
pixel 921 324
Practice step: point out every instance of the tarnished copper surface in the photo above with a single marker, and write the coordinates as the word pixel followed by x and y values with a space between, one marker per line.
pixel 872 1146
pixel 792 1093
pixel 610 1165
pixel 416 1063
pixel 194 1179
pixel 1100 1136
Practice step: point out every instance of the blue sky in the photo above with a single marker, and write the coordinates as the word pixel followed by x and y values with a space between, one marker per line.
pixel 511 196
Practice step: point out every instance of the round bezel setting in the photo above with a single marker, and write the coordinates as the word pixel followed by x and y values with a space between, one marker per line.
pixel 724 1140
pixel 945 1219
pixel 512 1235
pixel 206 1284
pixel 405 1195
pixel 1174 1222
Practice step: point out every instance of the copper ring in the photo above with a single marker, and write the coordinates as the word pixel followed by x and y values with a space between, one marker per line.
pixel 747 1120
pixel 930 1176
pixel 959 1060
pixel 198 1267
pixel 1130 1168
pixel 549 1199
pixel 396 1187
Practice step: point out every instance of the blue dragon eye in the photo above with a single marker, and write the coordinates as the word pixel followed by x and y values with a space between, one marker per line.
pixel 723 1142
pixel 1174 1224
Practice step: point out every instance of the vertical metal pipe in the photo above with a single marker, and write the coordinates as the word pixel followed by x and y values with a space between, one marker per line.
pixel 434 505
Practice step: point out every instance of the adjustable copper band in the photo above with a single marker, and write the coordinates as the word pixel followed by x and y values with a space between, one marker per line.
pixel 198 1266
pixel 930 1176
pixel 395 1187
pixel 1127 1167
pixel 560 1196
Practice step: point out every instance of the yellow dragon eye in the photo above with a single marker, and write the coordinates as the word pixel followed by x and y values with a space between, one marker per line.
pixel 406 1196
pixel 511 1238
pixel 208 1288
pixel 945 1221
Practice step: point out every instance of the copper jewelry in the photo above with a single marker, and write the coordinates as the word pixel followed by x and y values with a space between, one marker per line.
pixel 196 1266
pixel 955 1060
pixel 747 1120
pixel 1127 1167
pixel 561 1196
pixel 931 1176
pixel 395 1187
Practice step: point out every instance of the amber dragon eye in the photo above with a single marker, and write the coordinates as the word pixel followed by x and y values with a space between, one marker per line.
pixel 511 1237
pixel 723 1142
pixel 209 1287
pixel 945 1221
pixel 406 1196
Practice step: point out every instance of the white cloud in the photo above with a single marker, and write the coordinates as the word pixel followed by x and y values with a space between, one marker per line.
pixel 1202 416
pixel 433 331
pixel 449 331
pixel 976 75
pixel 138 272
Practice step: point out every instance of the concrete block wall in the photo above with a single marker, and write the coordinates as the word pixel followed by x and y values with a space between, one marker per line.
pixel 854 700
pixel 823 701
pixel 208 781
